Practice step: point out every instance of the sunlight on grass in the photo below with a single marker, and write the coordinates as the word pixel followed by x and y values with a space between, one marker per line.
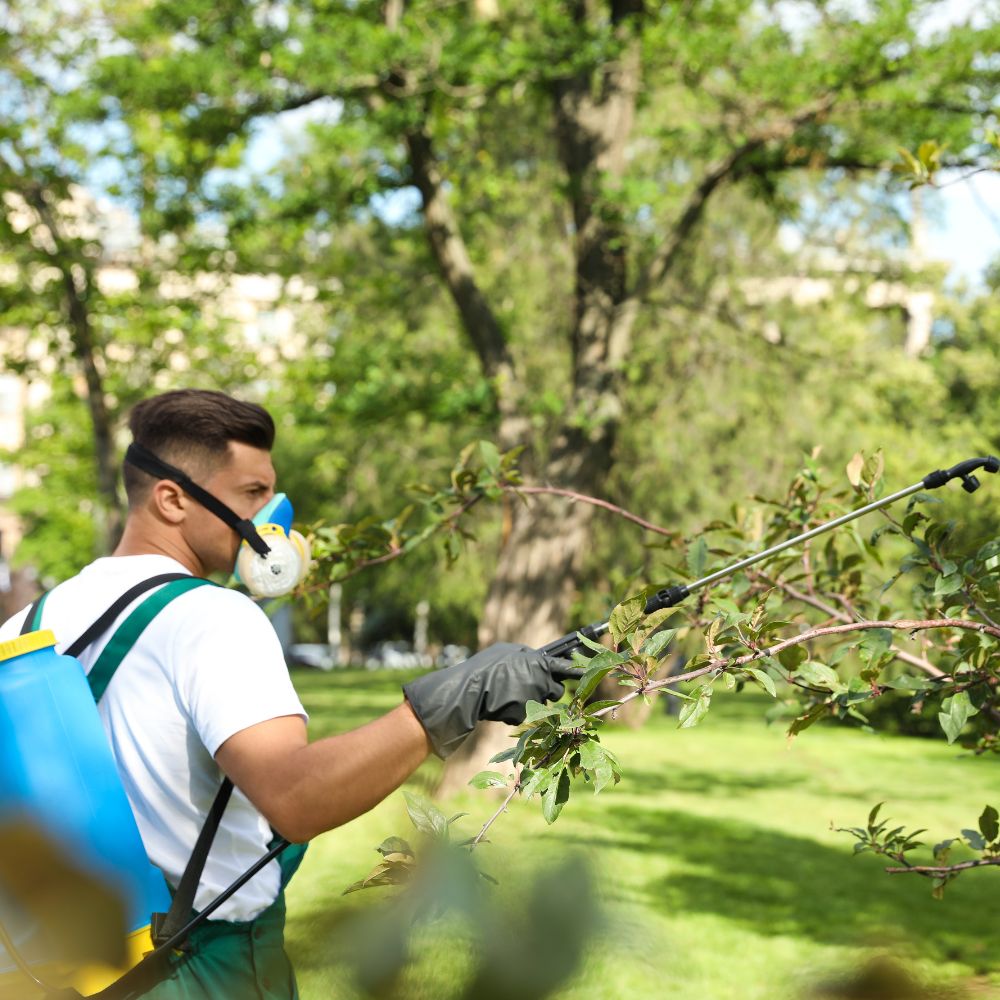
pixel 714 857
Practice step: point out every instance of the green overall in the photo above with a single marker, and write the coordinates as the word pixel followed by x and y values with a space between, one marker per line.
pixel 242 960
pixel 233 959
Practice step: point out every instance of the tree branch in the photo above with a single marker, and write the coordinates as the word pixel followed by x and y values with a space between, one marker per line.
pixel 716 175
pixel 596 502
pixel 67 261
pixel 938 870
pixel 915 661
pixel 453 260
pixel 503 808
pixel 902 625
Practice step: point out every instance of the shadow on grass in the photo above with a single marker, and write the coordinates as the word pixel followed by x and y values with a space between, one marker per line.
pixel 778 884
pixel 707 782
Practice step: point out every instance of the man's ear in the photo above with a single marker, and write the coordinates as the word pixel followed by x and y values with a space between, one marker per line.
pixel 169 501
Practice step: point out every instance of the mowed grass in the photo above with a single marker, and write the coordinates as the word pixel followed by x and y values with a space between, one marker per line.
pixel 714 859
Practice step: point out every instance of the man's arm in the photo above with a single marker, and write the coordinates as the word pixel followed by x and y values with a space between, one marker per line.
pixel 303 788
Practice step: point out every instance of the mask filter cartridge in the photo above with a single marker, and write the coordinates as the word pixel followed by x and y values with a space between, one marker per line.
pixel 286 565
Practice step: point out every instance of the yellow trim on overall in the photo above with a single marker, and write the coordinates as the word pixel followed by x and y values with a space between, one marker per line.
pixel 94 978
pixel 28 643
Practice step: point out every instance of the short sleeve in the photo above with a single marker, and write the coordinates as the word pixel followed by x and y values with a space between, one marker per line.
pixel 229 667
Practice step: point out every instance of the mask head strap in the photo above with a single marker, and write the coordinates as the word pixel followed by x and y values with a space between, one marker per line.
pixel 145 460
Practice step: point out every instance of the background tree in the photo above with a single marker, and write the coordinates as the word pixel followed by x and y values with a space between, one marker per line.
pixel 594 191
pixel 602 133
pixel 89 303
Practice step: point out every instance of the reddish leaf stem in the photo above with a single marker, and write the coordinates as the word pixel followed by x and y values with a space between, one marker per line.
pixel 903 625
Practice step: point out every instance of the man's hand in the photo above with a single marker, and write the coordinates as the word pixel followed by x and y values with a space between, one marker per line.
pixel 493 685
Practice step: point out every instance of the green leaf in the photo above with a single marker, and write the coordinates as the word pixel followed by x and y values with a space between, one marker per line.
pixel 626 616
pixel 876 641
pixel 537 711
pixel 597 706
pixel 694 711
pixel 533 782
pixel 490 455
pixel 820 675
pixel 489 779
pixel 989 824
pixel 591 643
pixel 394 845
pixel 955 713
pixel 697 558
pixel 949 584
pixel 906 682
pixel 730 610
pixel 657 618
pixel 656 644
pixel 974 839
pixel 607 658
pixel 604 776
pixel 803 722
pixel 590 680
pixel 555 797
pixel 792 656
pixel 592 755
pixel 425 816
pixel 764 680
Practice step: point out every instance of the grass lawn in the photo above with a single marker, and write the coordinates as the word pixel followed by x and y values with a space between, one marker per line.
pixel 714 857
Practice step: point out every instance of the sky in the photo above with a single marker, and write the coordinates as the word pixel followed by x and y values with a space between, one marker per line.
pixel 967 235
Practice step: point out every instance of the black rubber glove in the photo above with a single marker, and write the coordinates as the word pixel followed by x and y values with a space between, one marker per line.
pixel 493 685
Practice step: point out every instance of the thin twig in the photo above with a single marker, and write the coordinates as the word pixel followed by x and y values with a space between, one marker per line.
pixel 503 808
pixel 796 595
pixel 903 625
pixel 932 870
pixel 596 502
pixel 397 550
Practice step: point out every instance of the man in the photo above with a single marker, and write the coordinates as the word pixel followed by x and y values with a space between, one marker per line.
pixel 205 692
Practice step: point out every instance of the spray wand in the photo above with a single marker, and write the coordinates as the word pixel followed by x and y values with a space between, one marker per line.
pixel 668 597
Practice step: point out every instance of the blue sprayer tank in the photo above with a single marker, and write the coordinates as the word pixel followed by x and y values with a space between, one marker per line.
pixel 56 769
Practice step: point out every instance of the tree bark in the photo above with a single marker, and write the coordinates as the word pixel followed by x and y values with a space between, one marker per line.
pixel 77 282
pixel 539 562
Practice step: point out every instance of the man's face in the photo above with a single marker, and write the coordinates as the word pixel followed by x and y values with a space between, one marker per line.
pixel 245 484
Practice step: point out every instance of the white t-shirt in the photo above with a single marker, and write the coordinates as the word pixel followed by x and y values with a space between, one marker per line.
pixel 207 666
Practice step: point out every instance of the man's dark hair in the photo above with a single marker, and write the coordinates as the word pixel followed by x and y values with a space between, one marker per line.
pixel 192 428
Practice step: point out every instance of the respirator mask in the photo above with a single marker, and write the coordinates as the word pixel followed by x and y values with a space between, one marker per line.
pixel 287 561
pixel 273 559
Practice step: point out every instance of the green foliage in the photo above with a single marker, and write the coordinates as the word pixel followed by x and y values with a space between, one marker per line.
pixel 761 626
pixel 340 551
pixel 983 843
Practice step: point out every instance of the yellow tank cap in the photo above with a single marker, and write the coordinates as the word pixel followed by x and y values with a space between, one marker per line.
pixel 26 644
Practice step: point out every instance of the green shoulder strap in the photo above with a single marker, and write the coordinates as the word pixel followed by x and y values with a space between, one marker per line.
pixel 128 632
pixel 33 618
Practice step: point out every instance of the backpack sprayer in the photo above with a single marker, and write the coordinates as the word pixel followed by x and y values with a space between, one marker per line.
pixel 563 647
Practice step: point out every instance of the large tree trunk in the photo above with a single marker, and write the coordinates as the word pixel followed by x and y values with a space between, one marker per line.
pixel 534 583
pixel 539 563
